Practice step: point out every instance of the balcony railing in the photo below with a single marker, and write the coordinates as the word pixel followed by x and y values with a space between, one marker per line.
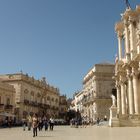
pixel 1 107
pixel 87 100
pixel 43 106
pixel 63 103
pixel 8 107
pixel 26 102
pixel 36 104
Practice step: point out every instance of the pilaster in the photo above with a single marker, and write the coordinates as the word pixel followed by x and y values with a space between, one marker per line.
pixel 123 95
pixel 135 87
pixel 130 92
pixel 118 98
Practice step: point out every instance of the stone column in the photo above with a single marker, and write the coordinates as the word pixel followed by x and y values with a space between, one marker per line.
pixel 123 98
pixel 135 87
pixel 132 38
pixel 120 45
pixel 118 99
pixel 130 93
pixel 119 27
pixel 127 46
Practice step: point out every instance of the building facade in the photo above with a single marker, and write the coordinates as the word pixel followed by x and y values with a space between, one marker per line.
pixel 78 102
pixel 63 106
pixel 7 96
pixel 127 68
pixel 33 96
pixel 97 90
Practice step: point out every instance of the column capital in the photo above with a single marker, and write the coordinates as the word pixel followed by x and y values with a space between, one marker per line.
pixel 122 82
pixel 131 15
pixel 129 74
pixel 132 19
pixel 117 85
pixel 119 35
pixel 134 73
pixel 126 23
pixel 119 26
pixel 122 79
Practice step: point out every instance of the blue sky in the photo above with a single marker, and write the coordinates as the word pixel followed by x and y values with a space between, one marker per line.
pixel 58 39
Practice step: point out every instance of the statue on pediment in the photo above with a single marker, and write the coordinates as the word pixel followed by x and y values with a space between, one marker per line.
pixel 127 4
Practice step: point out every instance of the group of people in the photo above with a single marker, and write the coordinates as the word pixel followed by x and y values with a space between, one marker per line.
pixel 84 121
pixel 37 123
pixel 7 121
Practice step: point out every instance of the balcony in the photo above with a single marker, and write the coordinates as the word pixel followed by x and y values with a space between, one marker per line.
pixel 63 103
pixel 34 104
pixel 40 104
pixel 26 102
pixel 87 100
pixel 46 106
pixel 8 107
pixel 1 107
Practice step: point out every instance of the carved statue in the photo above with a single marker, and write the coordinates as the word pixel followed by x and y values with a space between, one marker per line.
pixel 113 100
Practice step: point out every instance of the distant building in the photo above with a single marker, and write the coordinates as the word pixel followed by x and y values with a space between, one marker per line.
pixel 63 106
pixel 78 106
pixel 7 96
pixel 32 96
pixel 69 101
pixel 97 90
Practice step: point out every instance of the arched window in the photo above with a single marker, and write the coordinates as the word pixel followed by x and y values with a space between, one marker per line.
pixel 56 100
pixel 7 101
pixel 32 95
pixel 48 98
pixel 26 91
pixel 26 94
pixel 38 95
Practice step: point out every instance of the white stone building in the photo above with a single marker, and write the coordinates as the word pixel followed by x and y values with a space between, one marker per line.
pixel 97 89
pixel 78 102
pixel 127 69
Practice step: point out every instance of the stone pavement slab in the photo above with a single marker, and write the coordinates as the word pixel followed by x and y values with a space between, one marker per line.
pixel 68 133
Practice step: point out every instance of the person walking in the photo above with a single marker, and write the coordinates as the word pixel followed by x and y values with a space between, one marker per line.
pixel 98 121
pixel 34 125
pixel 51 124
pixel 9 122
pixel 39 123
pixel 45 122
pixel 24 123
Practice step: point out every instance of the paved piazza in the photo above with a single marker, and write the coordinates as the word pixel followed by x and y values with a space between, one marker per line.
pixel 67 133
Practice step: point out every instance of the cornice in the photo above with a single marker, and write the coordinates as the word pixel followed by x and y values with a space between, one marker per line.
pixel 29 80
